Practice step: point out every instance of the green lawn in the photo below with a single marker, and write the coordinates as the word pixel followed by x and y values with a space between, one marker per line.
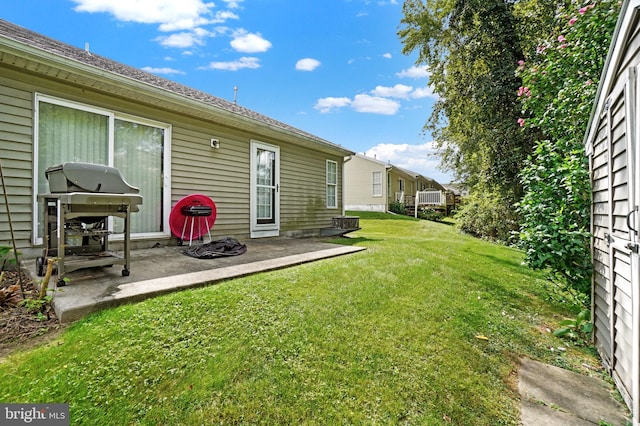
pixel 424 327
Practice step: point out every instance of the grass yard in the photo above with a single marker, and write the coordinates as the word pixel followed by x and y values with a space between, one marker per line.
pixel 425 327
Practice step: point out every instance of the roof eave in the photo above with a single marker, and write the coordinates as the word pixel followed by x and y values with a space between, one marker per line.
pixel 124 86
pixel 618 38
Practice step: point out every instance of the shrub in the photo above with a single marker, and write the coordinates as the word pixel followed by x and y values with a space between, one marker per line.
pixel 430 214
pixel 488 215
pixel 397 207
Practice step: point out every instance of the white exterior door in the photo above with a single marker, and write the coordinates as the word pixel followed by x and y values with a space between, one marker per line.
pixel 265 190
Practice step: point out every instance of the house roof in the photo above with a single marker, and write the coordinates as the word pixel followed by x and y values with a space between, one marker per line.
pixel 374 160
pixel 407 173
pixel 37 53
pixel 624 28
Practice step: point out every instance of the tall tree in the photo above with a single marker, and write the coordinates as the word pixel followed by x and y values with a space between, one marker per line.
pixel 471 48
pixel 559 85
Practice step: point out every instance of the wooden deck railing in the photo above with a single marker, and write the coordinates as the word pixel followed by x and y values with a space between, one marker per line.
pixel 429 198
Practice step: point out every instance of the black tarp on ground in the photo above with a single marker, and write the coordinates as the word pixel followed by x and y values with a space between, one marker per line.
pixel 219 248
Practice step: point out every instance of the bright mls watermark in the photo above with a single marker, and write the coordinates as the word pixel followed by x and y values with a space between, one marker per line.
pixel 34 414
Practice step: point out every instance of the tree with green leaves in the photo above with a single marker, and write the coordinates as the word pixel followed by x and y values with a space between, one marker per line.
pixel 470 48
pixel 559 86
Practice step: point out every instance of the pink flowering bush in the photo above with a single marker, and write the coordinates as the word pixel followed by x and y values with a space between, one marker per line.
pixel 562 74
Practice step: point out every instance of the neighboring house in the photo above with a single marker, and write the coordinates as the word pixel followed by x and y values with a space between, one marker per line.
pixel 60 103
pixel 400 183
pixel 614 155
pixel 457 188
pixel 365 184
pixel 372 185
pixel 411 182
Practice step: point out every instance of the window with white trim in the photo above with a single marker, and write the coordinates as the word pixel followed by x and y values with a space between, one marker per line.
pixel 68 131
pixel 376 184
pixel 332 184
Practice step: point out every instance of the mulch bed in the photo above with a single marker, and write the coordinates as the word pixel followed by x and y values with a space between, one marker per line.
pixel 24 321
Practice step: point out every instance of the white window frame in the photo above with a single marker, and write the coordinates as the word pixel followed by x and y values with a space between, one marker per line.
pixel 112 117
pixel 332 186
pixel 376 184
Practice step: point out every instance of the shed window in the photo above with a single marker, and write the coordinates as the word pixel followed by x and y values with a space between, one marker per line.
pixel 376 184
pixel 68 132
pixel 332 184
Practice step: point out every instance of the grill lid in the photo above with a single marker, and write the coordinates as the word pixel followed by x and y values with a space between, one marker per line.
pixel 87 177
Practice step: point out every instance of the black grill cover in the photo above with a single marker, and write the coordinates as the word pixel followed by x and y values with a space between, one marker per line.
pixel 87 177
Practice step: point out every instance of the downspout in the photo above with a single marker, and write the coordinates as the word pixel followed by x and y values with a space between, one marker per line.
pixel 345 160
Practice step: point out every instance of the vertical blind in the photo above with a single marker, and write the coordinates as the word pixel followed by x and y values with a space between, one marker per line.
pixel 138 155
pixel 68 134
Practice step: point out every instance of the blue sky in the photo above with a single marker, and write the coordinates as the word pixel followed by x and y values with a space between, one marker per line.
pixel 333 68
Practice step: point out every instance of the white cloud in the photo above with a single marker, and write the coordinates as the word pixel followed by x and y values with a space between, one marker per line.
pixel 421 158
pixel 244 62
pixel 223 16
pixel 233 4
pixel 423 92
pixel 325 105
pixel 184 39
pixel 360 103
pixel 307 64
pixel 178 15
pixel 249 42
pixel 387 55
pixel 188 23
pixel 164 70
pixel 414 72
pixel 375 105
pixel 398 91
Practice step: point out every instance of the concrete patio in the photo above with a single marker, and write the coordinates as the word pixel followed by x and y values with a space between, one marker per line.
pixel 166 269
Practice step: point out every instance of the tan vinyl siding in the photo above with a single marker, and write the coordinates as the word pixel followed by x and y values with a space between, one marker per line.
pixel 303 199
pixel 222 174
pixel 16 154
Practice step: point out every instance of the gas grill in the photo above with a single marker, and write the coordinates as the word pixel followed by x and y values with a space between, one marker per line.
pixel 75 217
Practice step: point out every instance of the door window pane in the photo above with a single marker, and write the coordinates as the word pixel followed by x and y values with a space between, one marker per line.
pixel 265 178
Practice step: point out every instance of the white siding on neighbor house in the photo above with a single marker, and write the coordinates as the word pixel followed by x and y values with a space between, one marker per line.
pixel 359 194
